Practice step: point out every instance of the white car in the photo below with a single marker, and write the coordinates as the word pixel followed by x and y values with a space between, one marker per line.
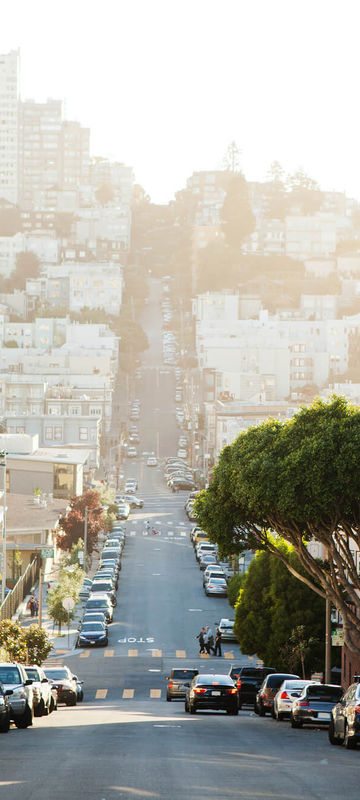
pixel 226 628
pixel 131 486
pixel 131 452
pixel 152 461
pixel 289 691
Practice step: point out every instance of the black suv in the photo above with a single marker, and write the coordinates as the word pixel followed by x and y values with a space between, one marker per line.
pixel 248 681
pixel 5 711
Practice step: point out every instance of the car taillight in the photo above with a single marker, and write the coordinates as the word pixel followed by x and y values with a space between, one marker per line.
pixel 170 684
pixel 232 691
pixel 262 695
pixel 239 683
pixel 304 703
pixel 199 690
pixel 284 696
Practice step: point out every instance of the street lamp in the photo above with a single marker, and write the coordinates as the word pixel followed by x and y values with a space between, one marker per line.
pixel 3 455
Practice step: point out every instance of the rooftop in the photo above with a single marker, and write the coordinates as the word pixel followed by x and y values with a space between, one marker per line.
pixel 22 514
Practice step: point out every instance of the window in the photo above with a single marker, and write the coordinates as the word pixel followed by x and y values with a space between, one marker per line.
pixel 58 433
pixel 83 434
pixel 48 433
pixel 74 410
pixel 20 429
pixel 63 480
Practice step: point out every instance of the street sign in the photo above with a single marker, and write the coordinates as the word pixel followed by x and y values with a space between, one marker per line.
pixel 337 637
pixel 81 556
pixel 47 552
pixel 68 604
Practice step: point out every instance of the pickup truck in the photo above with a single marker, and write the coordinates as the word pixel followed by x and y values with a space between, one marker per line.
pixel 248 681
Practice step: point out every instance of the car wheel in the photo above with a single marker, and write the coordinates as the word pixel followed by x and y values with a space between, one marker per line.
pixel 52 705
pixel 295 723
pixel 72 702
pixel 186 706
pixel 80 696
pixel 46 710
pixel 331 735
pixel 273 712
pixel 106 642
pixel 4 727
pixel 233 712
pixel 279 716
pixel 261 710
pixel 192 708
pixel 168 697
pixel 39 710
pixel 26 719
pixel 349 741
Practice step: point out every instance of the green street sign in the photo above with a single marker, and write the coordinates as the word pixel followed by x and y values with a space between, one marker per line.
pixel 47 552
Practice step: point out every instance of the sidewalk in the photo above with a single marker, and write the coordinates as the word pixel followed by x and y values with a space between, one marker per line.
pixel 65 643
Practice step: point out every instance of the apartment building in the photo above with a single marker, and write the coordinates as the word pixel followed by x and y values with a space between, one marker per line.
pixel 208 189
pixel 39 150
pixel 110 222
pixel 118 175
pixel 75 431
pixel 9 128
pixel 74 156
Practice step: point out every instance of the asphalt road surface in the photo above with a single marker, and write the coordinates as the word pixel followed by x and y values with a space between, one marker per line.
pixel 125 740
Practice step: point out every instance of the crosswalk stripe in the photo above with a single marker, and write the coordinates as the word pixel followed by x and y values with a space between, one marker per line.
pixel 108 653
pixel 157 653
pixel 85 655
pixel 204 655
pixel 181 654
pixel 229 654
pixel 128 694
pixel 155 693
pixel 101 694
pixel 133 653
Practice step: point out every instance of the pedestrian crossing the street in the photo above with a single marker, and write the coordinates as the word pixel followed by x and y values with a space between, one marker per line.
pixel 153 653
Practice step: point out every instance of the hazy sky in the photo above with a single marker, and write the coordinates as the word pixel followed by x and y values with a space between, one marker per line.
pixel 165 85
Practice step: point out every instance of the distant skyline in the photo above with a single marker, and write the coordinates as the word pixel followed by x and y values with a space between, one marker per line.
pixel 165 85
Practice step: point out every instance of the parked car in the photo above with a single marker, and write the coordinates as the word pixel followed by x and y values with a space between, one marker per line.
pixel 284 698
pixel 226 628
pixel 123 511
pixel 176 484
pixel 212 572
pixel 92 634
pixel 94 616
pixel 217 587
pixel 211 691
pixel 5 710
pixel 206 560
pixel 178 682
pixel 101 603
pixel 248 681
pixel 315 704
pixel 41 687
pixel 265 696
pixel 104 587
pixel 18 687
pixel 131 452
pixel 64 682
pixel 131 486
pixel 344 727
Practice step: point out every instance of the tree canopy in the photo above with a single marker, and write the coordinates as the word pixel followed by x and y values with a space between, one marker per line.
pixel 72 523
pixel 297 479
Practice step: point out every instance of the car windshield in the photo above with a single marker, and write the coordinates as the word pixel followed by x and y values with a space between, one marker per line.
pixel 325 694
pixel 92 626
pixel 214 680
pixel 57 674
pixel 96 617
pixel 32 673
pixel 101 586
pixel 10 675
pixel 218 580
pixel 101 603
pixel 295 685
pixel 275 681
pixel 183 674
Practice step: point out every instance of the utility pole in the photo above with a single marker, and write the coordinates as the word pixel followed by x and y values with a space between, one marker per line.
pixel 85 537
pixel 3 571
pixel 40 593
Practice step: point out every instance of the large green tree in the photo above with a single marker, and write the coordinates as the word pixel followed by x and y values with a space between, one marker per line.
pixel 237 216
pixel 271 605
pixel 300 480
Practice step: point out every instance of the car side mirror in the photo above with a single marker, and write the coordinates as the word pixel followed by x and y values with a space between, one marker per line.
pixel 28 682
pixel 75 677
pixel 8 692
pixel 45 680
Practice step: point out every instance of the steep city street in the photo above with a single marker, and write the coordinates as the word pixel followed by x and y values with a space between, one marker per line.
pixel 125 740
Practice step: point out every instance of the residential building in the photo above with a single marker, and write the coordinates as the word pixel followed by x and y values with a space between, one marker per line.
pixel 9 127
pixel 74 156
pixel 56 471
pixel 75 431
pixel 120 177
pixel 208 189
pixel 307 236
pixel 31 523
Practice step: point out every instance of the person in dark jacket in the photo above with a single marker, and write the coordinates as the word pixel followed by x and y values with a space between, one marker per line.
pixel 200 636
pixel 217 648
